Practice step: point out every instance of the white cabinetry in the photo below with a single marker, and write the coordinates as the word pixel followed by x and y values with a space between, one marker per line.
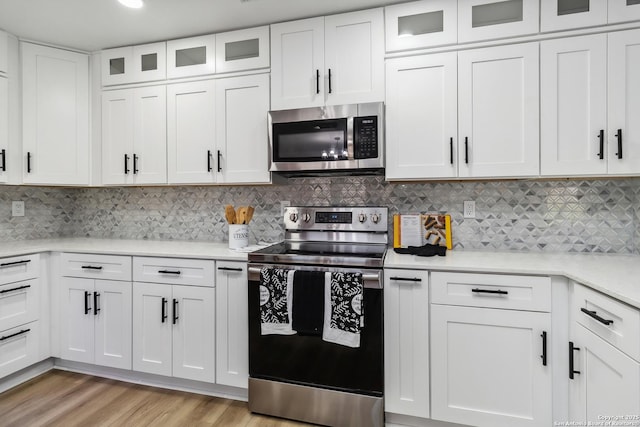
pixel 604 352
pixel 4 52
pixel 406 342
pixel 557 15
pixel 133 64
pixel 420 24
pixel 491 19
pixel 95 309
pixel 232 328
pixel 334 60
pixel 242 50
pixel 174 318
pixel 134 139
pixel 191 57
pixel 489 361
pixel 55 122
pixel 4 128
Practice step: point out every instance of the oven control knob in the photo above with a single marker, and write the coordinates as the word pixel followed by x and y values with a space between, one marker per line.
pixel 293 217
pixel 306 217
pixel 362 217
pixel 375 218
pixel 324 155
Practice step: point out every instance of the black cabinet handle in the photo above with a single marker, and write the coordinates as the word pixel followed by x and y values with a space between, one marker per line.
pixel 317 81
pixel 594 315
pixel 175 311
pixel 451 150
pixel 329 80
pixel 28 162
pixel 96 300
pixel 3 154
pixel 601 138
pixel 86 302
pixel 163 309
pixel 406 279
pixel 8 264
pixel 4 291
pixel 126 164
pixel 219 161
pixel 169 271
pixel 135 163
pixel 6 337
pixel 91 267
pixel 230 269
pixel 619 137
pixel 544 348
pixel 209 168
pixel 466 149
pixel 489 291
pixel 572 371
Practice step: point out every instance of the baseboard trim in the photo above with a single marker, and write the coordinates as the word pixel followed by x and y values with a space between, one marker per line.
pixel 26 374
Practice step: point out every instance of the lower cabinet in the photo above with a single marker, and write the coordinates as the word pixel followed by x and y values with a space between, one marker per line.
pixel 173 326
pixel 19 347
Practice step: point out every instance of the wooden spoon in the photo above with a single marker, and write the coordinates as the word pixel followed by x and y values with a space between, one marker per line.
pixel 240 215
pixel 230 214
pixel 249 214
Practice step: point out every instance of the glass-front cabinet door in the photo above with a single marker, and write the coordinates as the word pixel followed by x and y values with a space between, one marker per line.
pixel 117 67
pixel 623 10
pixel 420 24
pixel 194 56
pixel 134 64
pixel 242 50
pixel 485 19
pixel 556 15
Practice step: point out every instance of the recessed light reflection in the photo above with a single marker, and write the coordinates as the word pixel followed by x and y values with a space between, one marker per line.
pixel 135 4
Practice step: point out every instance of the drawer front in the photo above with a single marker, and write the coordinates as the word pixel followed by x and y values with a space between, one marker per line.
pixel 19 268
pixel 174 271
pixel 19 303
pixel 492 291
pixel 613 321
pixel 108 267
pixel 19 348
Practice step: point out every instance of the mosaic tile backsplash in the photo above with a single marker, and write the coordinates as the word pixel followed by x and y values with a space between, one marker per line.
pixel 557 215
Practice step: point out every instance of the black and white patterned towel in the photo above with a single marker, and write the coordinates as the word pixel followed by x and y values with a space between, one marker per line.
pixel 276 292
pixel 343 306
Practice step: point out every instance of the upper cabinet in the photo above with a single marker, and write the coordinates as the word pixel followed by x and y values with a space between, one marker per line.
pixel 4 128
pixel 242 50
pixel 191 57
pixel 4 52
pixel 134 64
pixel 556 15
pixel 55 120
pixel 333 60
pixel 485 19
pixel 419 24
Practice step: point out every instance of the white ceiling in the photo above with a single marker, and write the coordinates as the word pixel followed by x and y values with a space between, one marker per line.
pixel 92 25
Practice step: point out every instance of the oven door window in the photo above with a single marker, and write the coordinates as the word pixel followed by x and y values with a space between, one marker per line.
pixel 310 141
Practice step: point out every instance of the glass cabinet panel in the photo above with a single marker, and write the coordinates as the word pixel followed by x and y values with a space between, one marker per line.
pixel 242 50
pixel 191 56
pixel 486 20
pixel 116 66
pixel 560 15
pixel 623 10
pixel 496 13
pixel 566 7
pixel 149 62
pixel 420 24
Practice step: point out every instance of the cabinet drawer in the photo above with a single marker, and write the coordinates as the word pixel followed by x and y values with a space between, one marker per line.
pixel 19 303
pixel 109 267
pixel 19 268
pixel 19 348
pixel 174 271
pixel 492 291
pixel 613 321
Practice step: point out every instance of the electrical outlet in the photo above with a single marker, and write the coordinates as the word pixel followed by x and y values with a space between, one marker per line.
pixel 17 208
pixel 284 204
pixel 469 209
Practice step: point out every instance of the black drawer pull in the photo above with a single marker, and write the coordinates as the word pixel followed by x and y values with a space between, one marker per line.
pixel 466 149
pixel 406 279
pixel 451 150
pixel 593 315
pixel 619 138
pixel 209 168
pixel 489 291
pixel 572 371
pixel 175 311
pixel 126 164
pixel 601 138
pixel 164 310
pixel 3 154
pixel 4 291
pixel 169 271
pixel 7 264
pixel 96 307
pixel 91 267
pixel 544 348
pixel 28 162
pixel 219 161
pixel 86 302
pixel 6 337
pixel 230 269
pixel 330 80
pixel 317 81
pixel 135 164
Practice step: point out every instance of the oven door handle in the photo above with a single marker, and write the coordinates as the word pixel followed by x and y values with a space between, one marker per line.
pixel 370 280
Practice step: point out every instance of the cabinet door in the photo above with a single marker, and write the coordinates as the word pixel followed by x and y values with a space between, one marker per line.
pixel 498 111
pixel 191 156
pixel 354 57
pixel 152 328
pixel 608 381
pixel 242 50
pixel 623 10
pixel 558 15
pixel 422 116
pixel 194 344
pixel 420 24
pixel 573 105
pixel 191 57
pixel 487 369
pixel 297 64
pixel 117 66
pixel 20 347
pixel 406 342
pixel 149 152
pixel 117 136
pixel 624 102
pixel 232 328
pixel 55 122
pixel 241 129
pixel 4 128
pixel 491 19
pixel 112 302
pixel 149 62
pixel 76 324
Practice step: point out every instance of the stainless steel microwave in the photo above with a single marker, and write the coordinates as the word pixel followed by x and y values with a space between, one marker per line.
pixel 339 138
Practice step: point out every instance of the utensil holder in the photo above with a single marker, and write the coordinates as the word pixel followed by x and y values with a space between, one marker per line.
pixel 238 236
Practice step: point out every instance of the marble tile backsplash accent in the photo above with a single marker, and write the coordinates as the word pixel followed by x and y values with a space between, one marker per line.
pixel 555 215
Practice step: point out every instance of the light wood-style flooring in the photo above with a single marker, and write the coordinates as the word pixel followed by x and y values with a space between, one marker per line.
pixel 60 398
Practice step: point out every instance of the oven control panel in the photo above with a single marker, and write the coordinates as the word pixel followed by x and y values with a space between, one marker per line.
pixel 362 218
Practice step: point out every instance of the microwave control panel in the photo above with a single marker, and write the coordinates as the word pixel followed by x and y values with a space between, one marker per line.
pixel 365 137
